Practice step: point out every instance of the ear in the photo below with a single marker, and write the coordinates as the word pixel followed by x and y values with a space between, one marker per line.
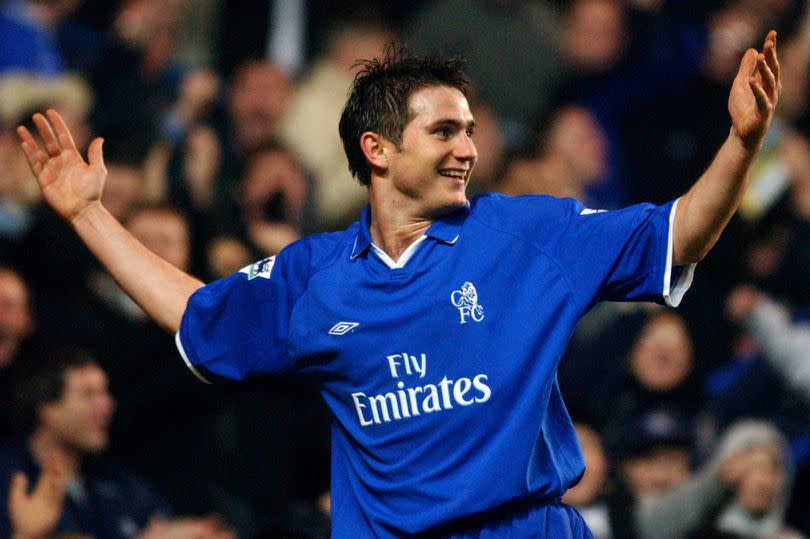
pixel 373 146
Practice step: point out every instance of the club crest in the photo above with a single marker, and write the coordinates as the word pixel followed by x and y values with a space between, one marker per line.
pixel 466 301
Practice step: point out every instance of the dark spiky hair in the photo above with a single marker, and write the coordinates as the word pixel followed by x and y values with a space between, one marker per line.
pixel 379 98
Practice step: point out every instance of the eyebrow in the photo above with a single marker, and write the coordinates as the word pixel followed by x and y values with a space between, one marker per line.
pixel 453 123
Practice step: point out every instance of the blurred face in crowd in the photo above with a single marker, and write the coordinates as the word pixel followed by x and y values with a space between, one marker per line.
pixel 16 181
pixel 163 232
pixel 662 356
pixel 259 99
pixel 490 143
pixel 123 189
pixel 348 44
pixel 15 316
pixel 731 31
pixel 758 486
pixel 80 419
pixel 62 8
pixel 432 165
pixel 579 140
pixel 76 118
pixel 274 188
pixel 656 470
pixel 596 468
pixel 594 34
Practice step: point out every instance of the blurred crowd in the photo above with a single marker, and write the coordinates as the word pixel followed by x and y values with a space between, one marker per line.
pixel 221 142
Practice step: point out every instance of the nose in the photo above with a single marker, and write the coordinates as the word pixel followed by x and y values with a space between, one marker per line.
pixel 465 149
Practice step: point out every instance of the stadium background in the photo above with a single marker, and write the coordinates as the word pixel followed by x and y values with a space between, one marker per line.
pixel 220 127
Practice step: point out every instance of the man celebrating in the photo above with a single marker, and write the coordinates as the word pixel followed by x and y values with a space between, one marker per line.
pixel 433 325
pixel 66 409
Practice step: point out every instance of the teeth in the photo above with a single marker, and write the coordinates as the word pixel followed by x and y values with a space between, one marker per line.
pixel 452 173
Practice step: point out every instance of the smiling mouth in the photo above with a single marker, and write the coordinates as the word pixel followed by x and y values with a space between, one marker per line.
pixel 454 173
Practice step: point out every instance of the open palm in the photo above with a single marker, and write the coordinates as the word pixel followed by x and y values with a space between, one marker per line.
pixel 755 92
pixel 68 183
pixel 36 514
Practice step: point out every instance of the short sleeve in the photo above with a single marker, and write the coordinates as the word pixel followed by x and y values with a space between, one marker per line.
pixel 238 326
pixel 622 255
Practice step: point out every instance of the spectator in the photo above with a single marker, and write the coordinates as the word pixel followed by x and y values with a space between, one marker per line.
pixel 273 195
pixel 309 129
pixel 594 35
pixel 20 94
pixel 124 189
pixel 15 325
pixel 658 373
pixel 159 406
pixel 741 493
pixel 489 141
pixel 268 210
pixel 204 171
pixel 259 98
pixel 15 315
pixel 589 496
pixel 66 407
pixel 785 345
pixel 653 453
pixel 572 160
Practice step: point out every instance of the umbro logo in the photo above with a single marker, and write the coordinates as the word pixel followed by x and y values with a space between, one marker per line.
pixel 342 328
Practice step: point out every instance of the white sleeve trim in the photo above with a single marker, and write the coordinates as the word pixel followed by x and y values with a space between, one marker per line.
pixel 674 292
pixel 183 354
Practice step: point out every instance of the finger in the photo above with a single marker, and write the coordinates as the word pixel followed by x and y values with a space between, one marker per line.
pixel 759 94
pixel 767 76
pixel 770 38
pixel 33 154
pixel 47 136
pixel 95 155
pixel 61 129
pixel 772 59
pixel 748 64
pixel 18 491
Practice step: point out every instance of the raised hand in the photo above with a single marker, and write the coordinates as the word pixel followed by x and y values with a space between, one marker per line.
pixel 35 515
pixel 754 93
pixel 68 183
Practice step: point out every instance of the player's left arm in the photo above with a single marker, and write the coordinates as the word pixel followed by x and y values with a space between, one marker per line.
pixel 704 211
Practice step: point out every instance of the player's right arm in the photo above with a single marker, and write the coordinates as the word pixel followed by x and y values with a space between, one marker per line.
pixel 72 187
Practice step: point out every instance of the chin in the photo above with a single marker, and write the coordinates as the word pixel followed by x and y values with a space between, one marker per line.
pixel 97 446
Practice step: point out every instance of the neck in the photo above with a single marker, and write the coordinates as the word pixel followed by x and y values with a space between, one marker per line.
pixel 395 224
pixel 42 444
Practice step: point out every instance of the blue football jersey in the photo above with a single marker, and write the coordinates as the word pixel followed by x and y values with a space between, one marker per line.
pixel 440 372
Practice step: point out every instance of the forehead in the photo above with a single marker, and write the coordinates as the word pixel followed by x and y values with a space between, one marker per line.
pixel 11 285
pixel 78 378
pixel 433 103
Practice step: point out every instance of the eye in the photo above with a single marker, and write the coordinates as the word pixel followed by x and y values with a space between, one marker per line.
pixel 470 131
pixel 443 132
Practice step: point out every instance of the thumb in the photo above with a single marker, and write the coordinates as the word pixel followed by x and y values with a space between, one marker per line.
pixel 94 154
pixel 18 491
